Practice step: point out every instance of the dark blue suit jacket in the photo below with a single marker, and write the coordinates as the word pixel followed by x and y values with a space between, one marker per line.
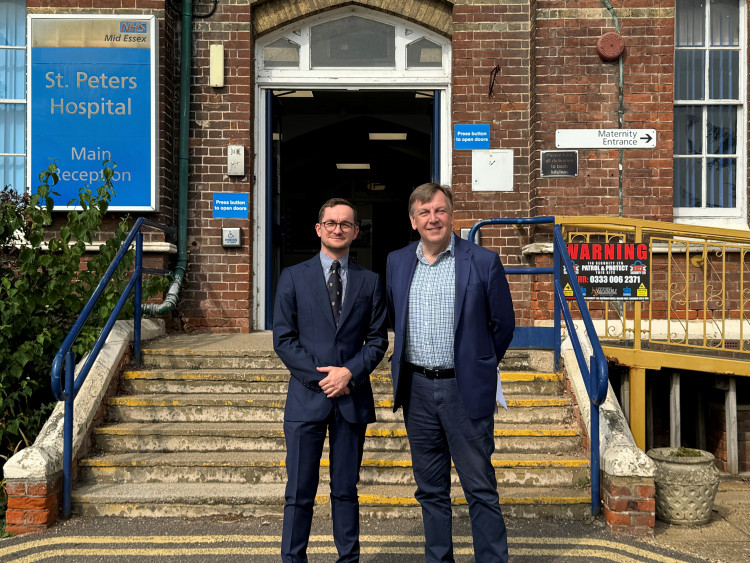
pixel 484 322
pixel 305 337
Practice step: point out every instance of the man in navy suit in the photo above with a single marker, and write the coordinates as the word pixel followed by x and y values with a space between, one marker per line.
pixel 453 319
pixel 329 330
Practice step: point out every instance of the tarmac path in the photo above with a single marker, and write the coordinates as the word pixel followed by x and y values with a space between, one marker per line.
pixel 258 539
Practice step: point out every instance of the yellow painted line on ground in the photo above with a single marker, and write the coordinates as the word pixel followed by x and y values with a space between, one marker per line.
pixel 376 432
pixel 528 376
pixel 207 377
pixel 538 402
pixel 130 402
pixel 460 501
pixel 398 433
pixel 511 403
pixel 594 548
pixel 538 433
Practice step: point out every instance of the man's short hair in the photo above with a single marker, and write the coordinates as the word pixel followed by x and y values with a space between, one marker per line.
pixel 426 192
pixel 333 202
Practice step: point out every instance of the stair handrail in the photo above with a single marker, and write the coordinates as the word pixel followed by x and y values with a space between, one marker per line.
pixel 595 373
pixel 65 384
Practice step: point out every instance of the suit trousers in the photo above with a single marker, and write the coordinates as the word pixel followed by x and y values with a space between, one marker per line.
pixel 304 445
pixel 438 430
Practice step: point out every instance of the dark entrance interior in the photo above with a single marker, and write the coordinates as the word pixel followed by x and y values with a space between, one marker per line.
pixel 317 133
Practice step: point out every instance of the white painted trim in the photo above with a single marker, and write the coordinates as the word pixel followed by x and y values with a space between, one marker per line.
pixel 736 217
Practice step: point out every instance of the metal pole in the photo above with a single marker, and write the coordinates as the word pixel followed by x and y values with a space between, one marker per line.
pixel 137 298
pixel 556 259
pixel 68 432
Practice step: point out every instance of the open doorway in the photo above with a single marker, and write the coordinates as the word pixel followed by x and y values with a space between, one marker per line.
pixel 372 147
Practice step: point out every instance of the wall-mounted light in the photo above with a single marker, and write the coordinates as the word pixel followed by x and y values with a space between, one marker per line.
pixel 352 166
pixel 216 66
pixel 387 136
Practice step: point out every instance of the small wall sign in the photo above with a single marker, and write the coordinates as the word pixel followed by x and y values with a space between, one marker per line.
pixel 471 136
pixel 559 163
pixel 231 206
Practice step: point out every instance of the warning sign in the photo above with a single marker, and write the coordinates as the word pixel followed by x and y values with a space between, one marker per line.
pixel 609 271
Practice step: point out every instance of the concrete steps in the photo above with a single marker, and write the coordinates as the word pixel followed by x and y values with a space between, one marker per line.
pixel 242 500
pixel 259 436
pixel 199 433
pixel 241 407
pixel 274 381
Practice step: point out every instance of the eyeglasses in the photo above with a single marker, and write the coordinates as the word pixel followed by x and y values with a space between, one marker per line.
pixel 330 226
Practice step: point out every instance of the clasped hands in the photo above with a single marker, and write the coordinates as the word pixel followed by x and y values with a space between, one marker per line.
pixel 336 382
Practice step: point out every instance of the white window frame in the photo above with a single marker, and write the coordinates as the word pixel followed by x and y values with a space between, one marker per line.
pixel 734 217
pixel 371 78
pixel 23 102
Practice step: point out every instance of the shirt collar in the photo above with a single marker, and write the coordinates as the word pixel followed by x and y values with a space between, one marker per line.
pixel 326 262
pixel 449 250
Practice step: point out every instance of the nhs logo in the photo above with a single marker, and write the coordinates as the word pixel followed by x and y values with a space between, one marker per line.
pixel 132 27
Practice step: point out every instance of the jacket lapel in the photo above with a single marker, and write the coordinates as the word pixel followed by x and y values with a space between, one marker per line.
pixel 463 267
pixel 406 274
pixel 354 280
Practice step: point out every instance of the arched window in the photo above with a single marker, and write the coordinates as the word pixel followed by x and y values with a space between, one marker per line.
pixel 352 44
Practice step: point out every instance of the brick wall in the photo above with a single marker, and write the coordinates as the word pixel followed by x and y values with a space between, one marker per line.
pixel 218 292
pixel 547 76
pixel 629 505
pixel 575 88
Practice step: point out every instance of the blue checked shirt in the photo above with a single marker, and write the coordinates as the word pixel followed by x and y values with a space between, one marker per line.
pixel 326 262
pixel 429 323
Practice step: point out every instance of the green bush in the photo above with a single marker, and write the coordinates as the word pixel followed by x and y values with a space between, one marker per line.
pixel 43 289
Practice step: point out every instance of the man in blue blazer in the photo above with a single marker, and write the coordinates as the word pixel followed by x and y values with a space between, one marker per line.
pixel 329 330
pixel 453 319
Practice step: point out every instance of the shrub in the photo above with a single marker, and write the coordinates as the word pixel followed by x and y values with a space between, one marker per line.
pixel 43 289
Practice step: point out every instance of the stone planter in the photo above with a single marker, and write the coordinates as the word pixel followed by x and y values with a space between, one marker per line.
pixel 685 486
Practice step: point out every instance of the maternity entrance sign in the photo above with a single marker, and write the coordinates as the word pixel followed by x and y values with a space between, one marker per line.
pixel 92 97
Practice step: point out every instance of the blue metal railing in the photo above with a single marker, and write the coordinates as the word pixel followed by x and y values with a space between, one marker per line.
pixel 595 373
pixel 65 385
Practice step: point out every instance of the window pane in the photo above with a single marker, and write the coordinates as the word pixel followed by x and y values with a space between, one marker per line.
pixel 12 122
pixel 688 130
pixel 13 23
pixel 725 22
pixel 688 79
pixel 687 182
pixel 690 23
pixel 721 179
pixel 12 74
pixel 353 42
pixel 13 172
pixel 724 76
pixel 721 130
pixel 424 53
pixel 281 53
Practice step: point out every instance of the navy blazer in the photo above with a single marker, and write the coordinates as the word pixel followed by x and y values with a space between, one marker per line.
pixel 484 322
pixel 305 337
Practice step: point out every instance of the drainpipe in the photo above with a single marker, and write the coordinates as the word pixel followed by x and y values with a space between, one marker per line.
pixel 620 110
pixel 170 301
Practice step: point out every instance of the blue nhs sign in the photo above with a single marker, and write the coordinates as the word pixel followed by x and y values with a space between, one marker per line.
pixel 92 97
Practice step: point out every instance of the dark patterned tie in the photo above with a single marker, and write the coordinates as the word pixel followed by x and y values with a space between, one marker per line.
pixel 335 289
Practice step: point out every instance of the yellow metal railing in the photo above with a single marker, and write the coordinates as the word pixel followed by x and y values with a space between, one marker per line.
pixel 699 305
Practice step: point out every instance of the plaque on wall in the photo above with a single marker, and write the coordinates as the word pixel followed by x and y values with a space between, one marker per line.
pixel 559 163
